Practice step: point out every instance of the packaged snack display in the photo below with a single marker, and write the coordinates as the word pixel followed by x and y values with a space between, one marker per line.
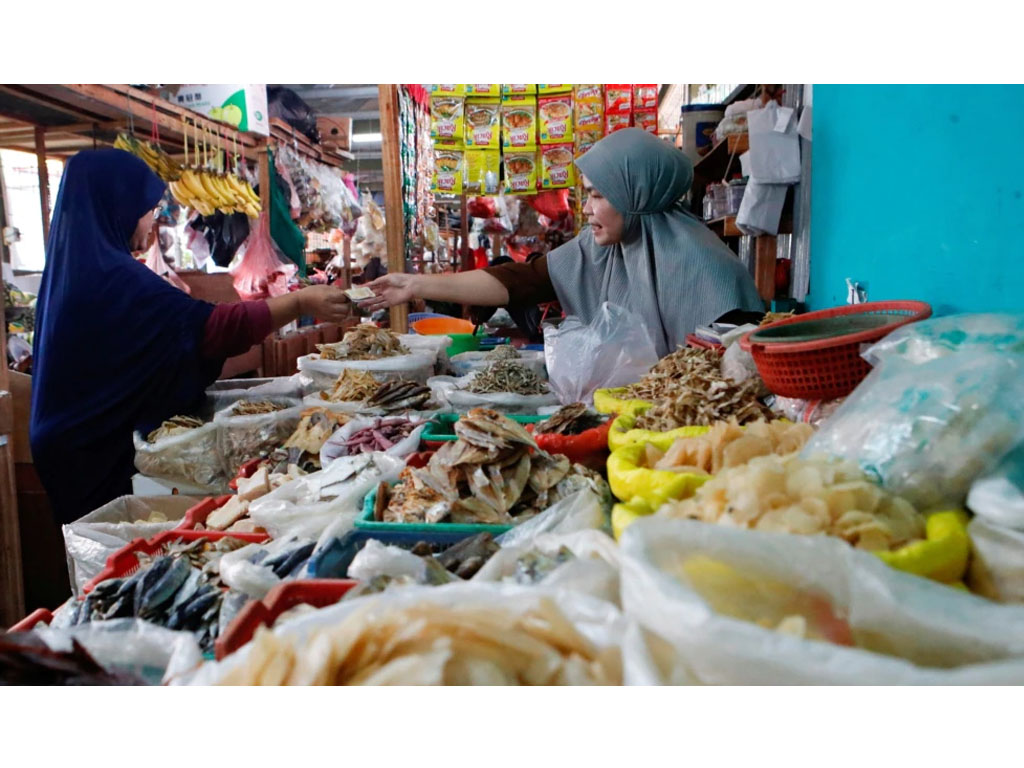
pixel 618 98
pixel 448 167
pixel 521 171
pixel 447 116
pixel 493 89
pixel 589 115
pixel 542 88
pixel 447 90
pixel 615 121
pixel 519 122
pixel 645 97
pixel 555 118
pixel 483 123
pixel 518 89
pixel 585 140
pixel 556 166
pixel 589 94
pixel 482 171
pixel 646 119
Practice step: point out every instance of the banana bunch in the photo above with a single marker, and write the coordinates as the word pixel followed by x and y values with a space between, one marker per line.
pixel 208 192
pixel 159 161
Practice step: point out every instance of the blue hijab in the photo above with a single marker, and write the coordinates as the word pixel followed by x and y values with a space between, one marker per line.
pixel 116 347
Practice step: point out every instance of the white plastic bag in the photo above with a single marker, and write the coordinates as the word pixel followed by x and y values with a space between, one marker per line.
pixel 417 366
pixel 582 511
pixel 378 559
pixel 334 448
pixel 761 208
pixel 467 362
pixel 91 539
pixel 226 393
pixel 702 588
pixel 999 496
pixel 434 344
pixel 243 438
pixel 189 457
pixel 774 145
pixel 255 579
pixel 305 507
pixel 452 392
pixel 997 561
pixel 937 337
pixel 613 350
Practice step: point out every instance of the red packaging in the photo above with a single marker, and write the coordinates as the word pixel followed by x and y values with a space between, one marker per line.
pixel 618 98
pixel 645 97
pixel 588 448
pixel 647 119
pixel 615 121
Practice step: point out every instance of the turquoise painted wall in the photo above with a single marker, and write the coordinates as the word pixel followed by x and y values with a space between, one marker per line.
pixel 918 193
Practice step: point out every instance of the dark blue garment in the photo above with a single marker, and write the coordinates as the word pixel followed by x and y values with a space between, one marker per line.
pixel 116 347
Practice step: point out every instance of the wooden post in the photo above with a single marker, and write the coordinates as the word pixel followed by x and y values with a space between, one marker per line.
pixel 496 249
pixel 393 209
pixel 263 160
pixel 12 595
pixel 346 260
pixel 765 249
pixel 465 258
pixel 44 181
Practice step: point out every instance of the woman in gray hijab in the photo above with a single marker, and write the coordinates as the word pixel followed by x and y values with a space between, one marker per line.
pixel 643 250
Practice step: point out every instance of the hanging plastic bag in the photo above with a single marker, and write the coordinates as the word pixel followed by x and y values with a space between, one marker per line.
pixel 754 608
pixel 761 208
pixel 453 392
pixel 243 438
pixel 774 145
pixel 156 262
pixel 613 350
pixel 197 244
pixel 263 271
pixel 553 203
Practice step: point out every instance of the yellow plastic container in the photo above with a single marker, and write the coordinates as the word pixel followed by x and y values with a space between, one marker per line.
pixel 626 513
pixel 944 553
pixel 629 480
pixel 606 401
pixel 622 434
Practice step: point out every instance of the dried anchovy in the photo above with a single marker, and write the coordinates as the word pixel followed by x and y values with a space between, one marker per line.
pixel 174 426
pixel 571 420
pixel 704 399
pixel 351 386
pixel 503 352
pixel 664 379
pixel 507 376
pixel 255 407
pixel 399 395
pixel 774 317
pixel 365 342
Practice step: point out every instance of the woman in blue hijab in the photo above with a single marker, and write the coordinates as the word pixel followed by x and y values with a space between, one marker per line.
pixel 117 347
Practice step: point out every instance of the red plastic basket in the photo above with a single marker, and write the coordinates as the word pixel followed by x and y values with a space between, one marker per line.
pixel 316 592
pixel 198 514
pixel 827 368
pixel 38 616
pixel 245 471
pixel 696 342
pixel 124 562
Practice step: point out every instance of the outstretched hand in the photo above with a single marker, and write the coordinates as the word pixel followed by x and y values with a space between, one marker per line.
pixel 391 289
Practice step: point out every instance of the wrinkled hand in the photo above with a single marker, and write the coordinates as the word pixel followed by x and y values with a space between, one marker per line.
pixel 327 303
pixel 391 289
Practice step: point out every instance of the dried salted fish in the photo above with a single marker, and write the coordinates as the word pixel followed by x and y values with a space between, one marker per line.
pixel 665 378
pixel 503 352
pixel 314 429
pixel 175 425
pixel 573 419
pixel 255 407
pixel 507 376
pixel 705 398
pixel 364 342
pixel 351 386
pixel 399 395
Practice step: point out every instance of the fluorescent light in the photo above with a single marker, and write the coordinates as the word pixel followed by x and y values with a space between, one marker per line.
pixel 366 138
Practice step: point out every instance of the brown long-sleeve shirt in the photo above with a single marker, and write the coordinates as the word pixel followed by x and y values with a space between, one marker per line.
pixel 527 283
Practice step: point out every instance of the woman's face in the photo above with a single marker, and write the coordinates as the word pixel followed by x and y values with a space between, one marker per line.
pixel 140 238
pixel 605 222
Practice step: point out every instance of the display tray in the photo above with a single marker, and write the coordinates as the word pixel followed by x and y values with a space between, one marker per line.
pixel 367 523
pixel 442 428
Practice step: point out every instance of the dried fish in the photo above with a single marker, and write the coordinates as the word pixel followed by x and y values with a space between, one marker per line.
pixel 255 407
pixel 534 566
pixel 175 425
pixel 671 372
pixel 25 659
pixel 315 428
pixel 705 398
pixel 774 317
pixel 380 435
pixel 573 419
pixel 364 342
pixel 399 395
pixel 507 376
pixel 503 352
pixel 351 386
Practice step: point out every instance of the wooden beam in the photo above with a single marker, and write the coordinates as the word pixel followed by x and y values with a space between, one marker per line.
pixel 264 169
pixel 12 593
pixel 346 260
pixel 44 181
pixel 465 258
pixel 393 208
pixel 765 250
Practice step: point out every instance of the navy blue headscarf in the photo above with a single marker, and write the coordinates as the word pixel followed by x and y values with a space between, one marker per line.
pixel 116 347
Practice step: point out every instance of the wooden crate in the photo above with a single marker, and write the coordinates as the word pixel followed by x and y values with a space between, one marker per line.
pixel 335 132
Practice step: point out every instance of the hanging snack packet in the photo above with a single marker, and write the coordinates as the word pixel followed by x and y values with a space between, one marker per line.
pixel 555 118
pixel 556 166
pixel 493 89
pixel 483 123
pixel 448 164
pixel 541 88
pixel 446 117
pixel 519 122
pixel 507 90
pixel 483 171
pixel 586 139
pixel 645 97
pixel 589 115
pixel 618 98
pixel 646 119
pixel 615 121
pixel 521 171
pixel 447 90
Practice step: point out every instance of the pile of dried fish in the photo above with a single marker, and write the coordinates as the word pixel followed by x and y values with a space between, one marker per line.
pixel 507 376
pixel 704 398
pixel 493 473
pixel 503 352
pixel 433 644
pixel 255 408
pixel 351 386
pixel 381 435
pixel 534 566
pixel 400 395
pixel 303 447
pixel 665 378
pixel 174 426
pixel 774 317
pixel 364 342
pixel 26 660
pixel 289 562
pixel 178 589
pixel 571 420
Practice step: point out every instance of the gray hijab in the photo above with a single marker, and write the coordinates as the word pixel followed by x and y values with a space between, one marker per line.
pixel 669 268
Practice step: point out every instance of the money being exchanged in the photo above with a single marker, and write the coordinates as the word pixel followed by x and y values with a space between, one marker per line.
pixel 359 293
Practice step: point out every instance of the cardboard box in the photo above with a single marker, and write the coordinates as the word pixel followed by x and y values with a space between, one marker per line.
pixel 335 132
pixel 241 106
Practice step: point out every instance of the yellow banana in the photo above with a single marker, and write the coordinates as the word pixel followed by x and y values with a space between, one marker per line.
pixel 192 183
pixel 211 192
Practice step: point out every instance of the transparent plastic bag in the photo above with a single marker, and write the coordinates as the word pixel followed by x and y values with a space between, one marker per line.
pixel 227 392
pixel 418 367
pixel 467 362
pixel 997 561
pixel 582 511
pixel 243 438
pixel 928 430
pixel 452 392
pixel 740 608
pixel 262 271
pixel 613 350
pixel 91 539
pixel 999 497
pixel 378 559
pixel 239 572
pixel 190 457
pixel 334 448
pixel 156 262
pixel 953 334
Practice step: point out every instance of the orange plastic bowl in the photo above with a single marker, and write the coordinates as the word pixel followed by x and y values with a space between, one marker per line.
pixel 438 326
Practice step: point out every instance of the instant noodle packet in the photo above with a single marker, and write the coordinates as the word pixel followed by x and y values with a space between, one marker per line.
pixel 447 90
pixel 448 167
pixel 519 122
pixel 618 98
pixel 555 118
pixel 589 94
pixel 541 88
pixel 646 119
pixel 483 171
pixel 493 89
pixel 615 122
pixel 589 115
pixel 447 116
pixel 483 123
pixel 508 90
pixel 556 166
pixel 521 171
pixel 645 97
pixel 585 140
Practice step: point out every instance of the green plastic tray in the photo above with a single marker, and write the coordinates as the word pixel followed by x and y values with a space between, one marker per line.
pixel 367 523
pixel 442 429
pixel 826 328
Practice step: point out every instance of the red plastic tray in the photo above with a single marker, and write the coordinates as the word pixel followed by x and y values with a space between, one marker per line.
pixel 124 562
pixel 38 616
pixel 316 592
pixel 245 471
pixel 198 514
